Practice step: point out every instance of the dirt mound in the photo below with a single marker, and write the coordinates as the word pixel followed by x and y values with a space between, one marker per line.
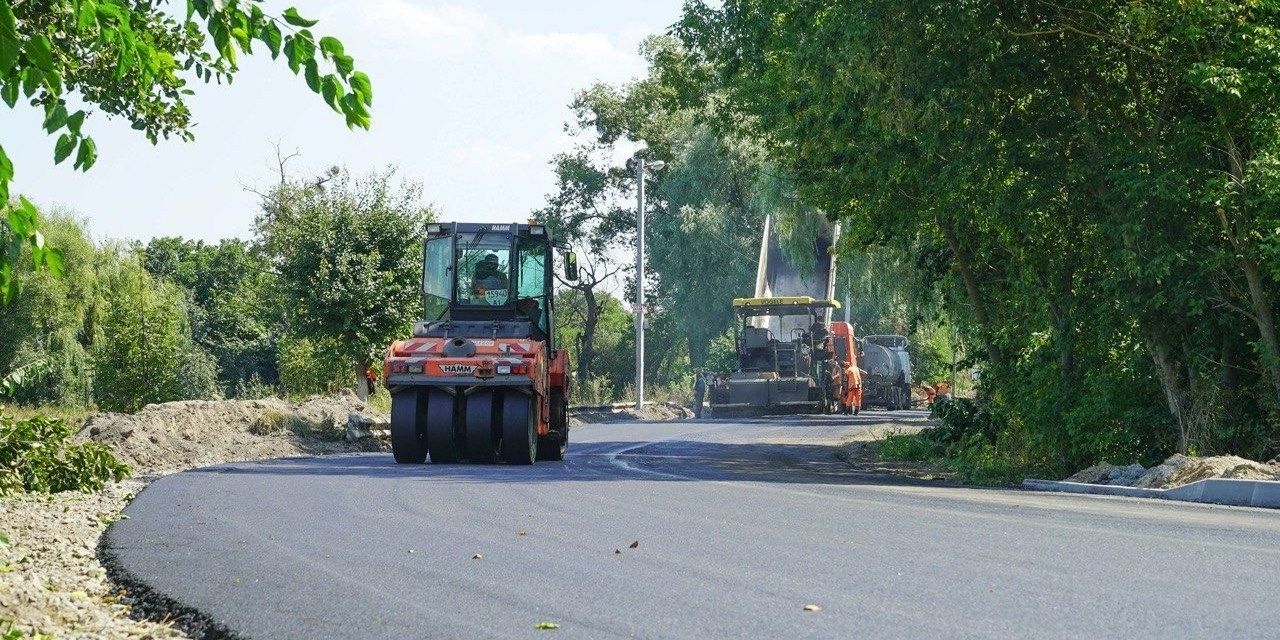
pixel 1178 470
pixel 181 435
pixel 652 411
pixel 1106 473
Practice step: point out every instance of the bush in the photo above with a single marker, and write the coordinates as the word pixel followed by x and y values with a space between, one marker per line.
pixel 974 438
pixel 37 454
pixel 145 353
pixel 309 367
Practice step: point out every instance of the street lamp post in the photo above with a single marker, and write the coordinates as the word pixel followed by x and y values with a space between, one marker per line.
pixel 640 166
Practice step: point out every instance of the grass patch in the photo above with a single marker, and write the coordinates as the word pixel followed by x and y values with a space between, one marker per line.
pixel 69 414
pixel 974 460
pixel 909 447
pixel 380 400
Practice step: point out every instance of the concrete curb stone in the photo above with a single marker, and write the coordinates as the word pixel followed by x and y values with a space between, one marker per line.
pixel 1228 491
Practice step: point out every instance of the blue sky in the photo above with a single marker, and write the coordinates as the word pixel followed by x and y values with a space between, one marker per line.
pixel 470 99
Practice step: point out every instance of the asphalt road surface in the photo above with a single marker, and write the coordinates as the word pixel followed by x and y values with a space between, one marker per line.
pixel 739 524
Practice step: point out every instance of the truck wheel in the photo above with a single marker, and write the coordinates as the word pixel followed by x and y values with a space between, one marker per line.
pixel 552 446
pixel 482 446
pixel 442 439
pixel 408 444
pixel 519 434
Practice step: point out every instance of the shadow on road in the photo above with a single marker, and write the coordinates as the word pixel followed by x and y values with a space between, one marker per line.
pixel 675 460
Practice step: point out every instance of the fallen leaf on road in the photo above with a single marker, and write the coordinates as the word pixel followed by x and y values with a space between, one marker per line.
pixel 477 557
pixel 635 545
pixel 617 552
pixel 546 626
pixel 522 533
pixel 812 607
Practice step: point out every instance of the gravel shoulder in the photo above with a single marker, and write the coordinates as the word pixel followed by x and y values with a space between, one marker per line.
pixel 52 579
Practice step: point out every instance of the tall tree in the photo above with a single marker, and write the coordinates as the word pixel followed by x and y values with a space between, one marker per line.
pixel 233 318
pixel 349 257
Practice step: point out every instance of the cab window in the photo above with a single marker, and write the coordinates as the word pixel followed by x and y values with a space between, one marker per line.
pixel 437 276
pixel 533 257
pixel 484 269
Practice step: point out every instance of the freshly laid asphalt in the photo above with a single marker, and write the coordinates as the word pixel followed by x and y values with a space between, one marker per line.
pixel 739 525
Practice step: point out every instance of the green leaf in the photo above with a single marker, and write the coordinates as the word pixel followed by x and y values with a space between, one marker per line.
pixel 331 89
pixel 293 54
pixel 331 46
pixel 75 121
pixel 32 78
pixel 6 173
pixel 9 92
pixel 53 83
pixel 87 15
pixel 62 151
pixel 40 50
pixel 291 16
pixel 270 35
pixel 312 75
pixel 9 44
pixel 546 625
pixel 4 539
pixel 55 117
pixel 344 64
pixel 357 115
pixel 110 11
pixel 361 85
pixel 53 261
pixel 87 155
pixel 242 38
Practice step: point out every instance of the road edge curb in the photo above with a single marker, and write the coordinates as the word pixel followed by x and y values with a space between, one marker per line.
pixel 1237 492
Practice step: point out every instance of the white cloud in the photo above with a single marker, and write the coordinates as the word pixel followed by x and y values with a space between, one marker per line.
pixel 591 51
pixel 439 28
pixel 443 28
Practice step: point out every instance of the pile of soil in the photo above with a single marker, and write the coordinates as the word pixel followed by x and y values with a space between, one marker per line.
pixel 1179 470
pixel 180 435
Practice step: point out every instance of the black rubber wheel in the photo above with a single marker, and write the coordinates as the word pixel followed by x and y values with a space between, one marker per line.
pixel 482 443
pixel 442 438
pixel 552 446
pixel 408 442
pixel 519 435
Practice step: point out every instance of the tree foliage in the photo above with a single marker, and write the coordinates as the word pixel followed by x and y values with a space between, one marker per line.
pixel 145 353
pixel 1090 189
pixel 138 61
pixel 348 253
pixel 233 317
